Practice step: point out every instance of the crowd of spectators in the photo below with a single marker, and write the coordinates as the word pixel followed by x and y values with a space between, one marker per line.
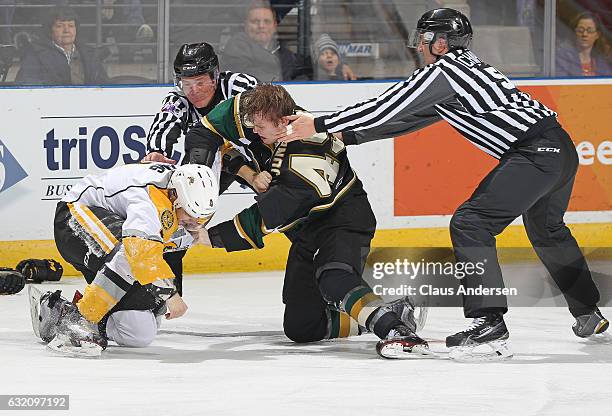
pixel 75 51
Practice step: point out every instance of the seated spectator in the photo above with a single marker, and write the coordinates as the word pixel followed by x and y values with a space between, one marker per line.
pixel 256 51
pixel 59 59
pixel 587 55
pixel 328 65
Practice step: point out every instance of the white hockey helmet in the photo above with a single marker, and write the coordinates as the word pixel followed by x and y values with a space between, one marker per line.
pixel 197 191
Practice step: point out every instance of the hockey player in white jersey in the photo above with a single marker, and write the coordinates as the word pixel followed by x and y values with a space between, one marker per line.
pixel 114 228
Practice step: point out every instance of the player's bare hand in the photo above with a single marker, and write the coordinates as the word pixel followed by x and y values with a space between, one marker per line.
pixel 176 307
pixel 157 157
pixel 261 181
pixel 300 127
pixel 201 237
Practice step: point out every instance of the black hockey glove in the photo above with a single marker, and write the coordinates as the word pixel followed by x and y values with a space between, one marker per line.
pixel 11 281
pixel 39 271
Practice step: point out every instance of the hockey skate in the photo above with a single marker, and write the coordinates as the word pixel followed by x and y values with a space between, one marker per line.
pixel 60 324
pixel 592 326
pixel 414 317
pixel 486 339
pixel 401 343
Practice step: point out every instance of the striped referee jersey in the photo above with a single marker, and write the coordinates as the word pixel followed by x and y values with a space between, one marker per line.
pixel 178 115
pixel 475 98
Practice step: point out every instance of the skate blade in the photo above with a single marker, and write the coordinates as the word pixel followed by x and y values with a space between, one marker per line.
pixel 61 345
pixel 397 350
pixel 492 351
pixel 34 295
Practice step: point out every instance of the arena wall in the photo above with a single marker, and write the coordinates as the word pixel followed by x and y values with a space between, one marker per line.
pixel 51 137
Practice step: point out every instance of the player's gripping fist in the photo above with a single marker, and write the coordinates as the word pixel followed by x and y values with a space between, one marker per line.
pixel 261 181
pixel 176 307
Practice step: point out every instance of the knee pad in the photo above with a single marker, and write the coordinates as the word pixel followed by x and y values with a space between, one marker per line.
pixel 132 328
pixel 336 280
pixel 305 323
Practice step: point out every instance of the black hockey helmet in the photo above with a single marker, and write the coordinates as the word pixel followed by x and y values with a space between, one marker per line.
pixel 195 59
pixel 451 24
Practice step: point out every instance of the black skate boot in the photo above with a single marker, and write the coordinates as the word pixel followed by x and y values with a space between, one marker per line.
pixel 484 340
pixel 412 316
pixel 590 324
pixel 402 342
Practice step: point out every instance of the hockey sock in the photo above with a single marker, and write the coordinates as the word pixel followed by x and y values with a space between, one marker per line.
pixel 341 325
pixel 356 299
pixel 362 304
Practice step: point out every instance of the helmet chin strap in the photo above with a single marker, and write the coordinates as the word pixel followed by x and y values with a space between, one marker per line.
pixel 432 52
pixel 430 45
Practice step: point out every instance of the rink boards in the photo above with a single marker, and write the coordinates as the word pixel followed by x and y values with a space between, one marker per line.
pixel 51 137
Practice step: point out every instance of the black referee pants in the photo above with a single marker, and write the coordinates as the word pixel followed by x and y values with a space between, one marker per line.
pixel 535 180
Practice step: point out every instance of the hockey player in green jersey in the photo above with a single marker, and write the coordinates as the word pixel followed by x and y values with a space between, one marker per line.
pixel 317 201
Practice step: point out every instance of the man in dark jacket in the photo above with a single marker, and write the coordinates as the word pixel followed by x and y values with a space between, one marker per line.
pixel 257 51
pixel 58 59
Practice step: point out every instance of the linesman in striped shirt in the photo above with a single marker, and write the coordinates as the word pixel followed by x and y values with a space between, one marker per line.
pixel 199 87
pixel 534 177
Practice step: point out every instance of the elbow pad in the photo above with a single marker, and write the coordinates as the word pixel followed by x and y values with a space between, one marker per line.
pixel 202 156
pixel 233 161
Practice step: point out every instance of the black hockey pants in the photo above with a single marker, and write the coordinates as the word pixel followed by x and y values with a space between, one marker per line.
pixel 534 179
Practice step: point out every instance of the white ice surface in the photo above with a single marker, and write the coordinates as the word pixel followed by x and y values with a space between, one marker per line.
pixel 228 356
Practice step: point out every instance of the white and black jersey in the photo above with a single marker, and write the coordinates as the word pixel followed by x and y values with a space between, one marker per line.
pixel 475 98
pixel 178 115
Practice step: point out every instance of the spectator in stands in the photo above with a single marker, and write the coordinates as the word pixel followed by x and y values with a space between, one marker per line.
pixel 59 59
pixel 328 65
pixel 587 55
pixel 256 51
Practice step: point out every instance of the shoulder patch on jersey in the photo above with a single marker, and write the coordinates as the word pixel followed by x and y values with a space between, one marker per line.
pixel 167 219
pixel 165 210
pixel 171 107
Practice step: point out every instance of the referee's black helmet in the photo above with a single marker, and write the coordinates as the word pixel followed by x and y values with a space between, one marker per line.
pixel 448 23
pixel 195 59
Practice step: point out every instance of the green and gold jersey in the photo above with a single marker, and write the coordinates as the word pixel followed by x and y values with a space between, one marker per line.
pixel 223 125
pixel 310 177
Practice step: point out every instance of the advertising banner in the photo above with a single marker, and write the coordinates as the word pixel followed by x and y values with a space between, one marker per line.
pixel 436 169
pixel 52 137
